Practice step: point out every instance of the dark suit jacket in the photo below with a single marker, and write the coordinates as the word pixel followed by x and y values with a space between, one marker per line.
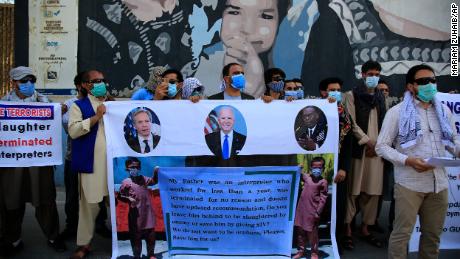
pixel 135 145
pixel 318 136
pixel 220 96
pixel 213 141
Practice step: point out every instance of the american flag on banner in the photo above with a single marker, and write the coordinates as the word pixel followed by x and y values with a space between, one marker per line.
pixel 212 125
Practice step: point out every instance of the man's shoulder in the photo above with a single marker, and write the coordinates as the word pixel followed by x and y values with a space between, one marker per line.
pixel 218 96
pixel 245 96
pixel 238 135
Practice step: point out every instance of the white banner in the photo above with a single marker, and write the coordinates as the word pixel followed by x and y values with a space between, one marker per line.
pixel 30 134
pixel 53 38
pixel 146 134
pixel 451 230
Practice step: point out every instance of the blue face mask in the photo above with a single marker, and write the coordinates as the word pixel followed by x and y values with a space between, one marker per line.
pixel 292 94
pixel 133 172
pixel 372 81
pixel 172 90
pixel 238 81
pixel 427 92
pixel 316 172
pixel 300 94
pixel 99 89
pixel 337 95
pixel 276 86
pixel 27 89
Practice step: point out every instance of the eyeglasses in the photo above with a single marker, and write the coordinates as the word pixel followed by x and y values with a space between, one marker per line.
pixel 172 81
pixel 134 167
pixel 425 80
pixel 384 90
pixel 237 73
pixel 96 81
pixel 31 79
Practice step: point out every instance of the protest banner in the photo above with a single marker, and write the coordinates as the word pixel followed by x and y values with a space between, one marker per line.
pixel 30 134
pixel 180 135
pixel 451 231
pixel 229 211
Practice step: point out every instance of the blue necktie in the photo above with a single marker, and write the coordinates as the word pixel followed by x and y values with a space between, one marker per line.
pixel 225 153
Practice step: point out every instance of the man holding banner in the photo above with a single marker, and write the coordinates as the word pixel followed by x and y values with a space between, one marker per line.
pixel 86 128
pixel 19 185
pixel 420 127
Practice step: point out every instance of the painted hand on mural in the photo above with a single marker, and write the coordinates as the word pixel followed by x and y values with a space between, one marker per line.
pixel 150 10
pixel 241 52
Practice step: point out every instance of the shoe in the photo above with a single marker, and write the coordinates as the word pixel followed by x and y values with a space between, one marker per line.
pixel 68 234
pixel 300 254
pixel 8 249
pixel 376 228
pixel 104 232
pixel 347 243
pixel 370 239
pixel 81 252
pixel 58 245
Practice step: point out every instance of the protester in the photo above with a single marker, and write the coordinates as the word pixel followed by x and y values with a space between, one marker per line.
pixel 148 91
pixel 309 208
pixel 366 106
pixel 19 185
pixel 292 90
pixel 384 87
pixel 192 87
pixel 332 86
pixel 141 216
pixel 233 83
pixel 419 128
pixel 89 158
pixel 171 87
pixel 274 82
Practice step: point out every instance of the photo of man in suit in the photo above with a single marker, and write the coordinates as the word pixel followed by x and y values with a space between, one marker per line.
pixel 310 128
pixel 145 141
pixel 226 142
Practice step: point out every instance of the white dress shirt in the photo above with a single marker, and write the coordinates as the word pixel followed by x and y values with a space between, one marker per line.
pixel 142 143
pixel 229 139
pixel 429 145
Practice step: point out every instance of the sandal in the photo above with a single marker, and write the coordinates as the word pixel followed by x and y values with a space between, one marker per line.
pixel 372 240
pixel 347 243
pixel 81 252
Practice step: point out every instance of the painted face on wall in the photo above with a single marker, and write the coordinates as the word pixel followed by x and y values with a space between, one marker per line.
pixel 255 21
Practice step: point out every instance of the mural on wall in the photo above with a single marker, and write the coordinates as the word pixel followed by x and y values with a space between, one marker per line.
pixel 309 39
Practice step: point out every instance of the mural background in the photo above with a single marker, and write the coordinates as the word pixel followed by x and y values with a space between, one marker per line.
pixel 309 39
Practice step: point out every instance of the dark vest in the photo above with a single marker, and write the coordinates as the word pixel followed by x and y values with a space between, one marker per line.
pixel 83 146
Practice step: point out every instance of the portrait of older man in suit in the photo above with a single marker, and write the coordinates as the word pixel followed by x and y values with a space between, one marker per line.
pixel 145 141
pixel 225 142
pixel 310 128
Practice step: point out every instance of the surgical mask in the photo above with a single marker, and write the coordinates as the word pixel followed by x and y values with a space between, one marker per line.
pixel 427 92
pixel 316 172
pixel 27 89
pixel 372 81
pixel 337 95
pixel 99 89
pixel 238 81
pixel 276 86
pixel 172 90
pixel 292 94
pixel 300 94
pixel 133 172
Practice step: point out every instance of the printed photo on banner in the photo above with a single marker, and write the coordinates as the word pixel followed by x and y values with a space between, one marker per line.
pixel 225 131
pixel 312 226
pixel 142 130
pixel 310 128
pixel 138 208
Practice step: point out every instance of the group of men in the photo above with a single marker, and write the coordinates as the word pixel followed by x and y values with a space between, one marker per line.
pixel 370 129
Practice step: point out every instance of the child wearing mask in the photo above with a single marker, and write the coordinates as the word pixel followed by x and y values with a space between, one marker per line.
pixel 309 208
pixel 141 217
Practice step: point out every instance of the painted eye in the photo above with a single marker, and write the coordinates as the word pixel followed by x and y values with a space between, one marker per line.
pixel 267 16
pixel 233 12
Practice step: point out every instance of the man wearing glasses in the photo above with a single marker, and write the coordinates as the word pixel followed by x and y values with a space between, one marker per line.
pixel 418 128
pixel 86 128
pixel 27 184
